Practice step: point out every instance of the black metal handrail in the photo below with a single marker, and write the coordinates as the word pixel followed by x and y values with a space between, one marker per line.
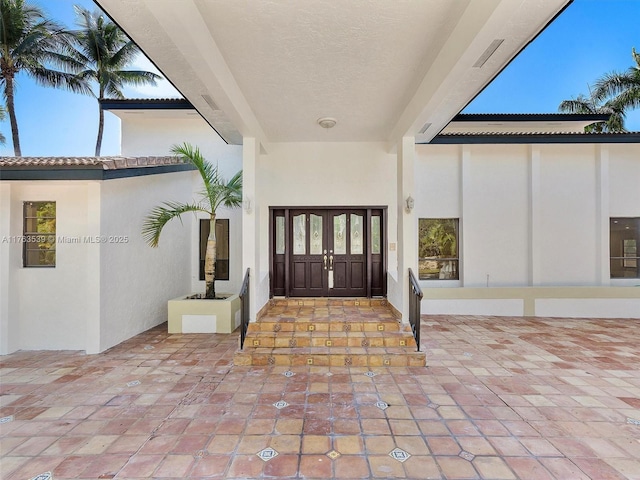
pixel 415 297
pixel 244 308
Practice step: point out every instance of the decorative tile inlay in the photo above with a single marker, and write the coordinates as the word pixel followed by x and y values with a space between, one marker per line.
pixel 365 343
pixel 43 476
pixel 433 405
pixel 346 327
pixel 633 421
pixel 382 405
pixel 333 454
pixel 277 327
pixel 271 360
pixel 467 354
pixel 6 419
pixel 201 454
pixel 399 454
pixel 329 374
pixel 293 343
pixel 133 383
pixel 288 373
pixel 467 456
pixel 149 347
pixel 280 404
pixel 348 361
pixel 370 374
pixel 267 454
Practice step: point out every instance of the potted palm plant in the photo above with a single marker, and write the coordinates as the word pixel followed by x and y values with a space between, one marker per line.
pixel 216 192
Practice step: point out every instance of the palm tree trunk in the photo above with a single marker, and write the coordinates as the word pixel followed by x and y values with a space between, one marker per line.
pixel 210 260
pixel 12 115
pixel 100 130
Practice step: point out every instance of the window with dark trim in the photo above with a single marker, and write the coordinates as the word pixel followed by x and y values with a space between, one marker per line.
pixel 39 234
pixel 624 247
pixel 222 247
pixel 438 249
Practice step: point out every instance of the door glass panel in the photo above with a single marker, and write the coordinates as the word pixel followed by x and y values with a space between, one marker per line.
pixel 375 235
pixel 339 234
pixel 316 234
pixel 356 234
pixel 279 235
pixel 299 235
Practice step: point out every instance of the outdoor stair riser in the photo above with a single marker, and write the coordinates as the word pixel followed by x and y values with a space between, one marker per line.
pixel 329 332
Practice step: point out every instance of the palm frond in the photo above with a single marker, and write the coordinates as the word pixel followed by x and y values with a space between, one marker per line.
pixel 159 216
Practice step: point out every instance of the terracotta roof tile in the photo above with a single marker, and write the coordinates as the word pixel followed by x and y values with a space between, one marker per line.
pixel 105 163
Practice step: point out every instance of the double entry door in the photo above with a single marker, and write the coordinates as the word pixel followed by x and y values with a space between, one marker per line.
pixel 325 252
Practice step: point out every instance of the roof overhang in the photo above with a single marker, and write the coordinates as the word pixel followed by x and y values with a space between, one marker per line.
pixel 383 69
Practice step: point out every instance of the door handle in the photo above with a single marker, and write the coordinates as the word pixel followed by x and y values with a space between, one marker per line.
pixel 330 262
pixel 325 261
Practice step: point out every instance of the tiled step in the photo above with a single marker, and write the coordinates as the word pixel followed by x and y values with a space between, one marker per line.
pixel 329 332
pixel 297 357
pixel 329 339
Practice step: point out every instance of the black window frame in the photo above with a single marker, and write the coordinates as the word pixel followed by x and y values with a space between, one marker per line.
pixel 454 261
pixel 222 264
pixel 621 229
pixel 29 238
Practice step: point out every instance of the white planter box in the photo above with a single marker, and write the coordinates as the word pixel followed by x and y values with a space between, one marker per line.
pixel 204 316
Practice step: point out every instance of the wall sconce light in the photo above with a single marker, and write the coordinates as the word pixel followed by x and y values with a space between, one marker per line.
pixel 410 203
pixel 247 204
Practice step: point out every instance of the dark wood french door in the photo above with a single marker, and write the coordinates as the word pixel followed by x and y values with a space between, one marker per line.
pixel 327 252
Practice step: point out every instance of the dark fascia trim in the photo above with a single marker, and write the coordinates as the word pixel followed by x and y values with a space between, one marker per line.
pixel 104 10
pixel 145 104
pixel 518 138
pixel 88 173
pixel 531 117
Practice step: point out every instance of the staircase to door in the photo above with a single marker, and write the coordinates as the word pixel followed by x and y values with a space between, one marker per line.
pixel 329 332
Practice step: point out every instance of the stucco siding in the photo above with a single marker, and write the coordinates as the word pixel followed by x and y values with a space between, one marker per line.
pixel 136 281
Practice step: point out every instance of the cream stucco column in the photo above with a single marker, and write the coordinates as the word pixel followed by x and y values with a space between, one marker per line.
pixel 602 216
pixel 94 260
pixel 8 319
pixel 251 210
pixel 535 241
pixel 407 222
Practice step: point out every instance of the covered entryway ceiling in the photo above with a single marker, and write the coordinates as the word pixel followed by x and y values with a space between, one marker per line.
pixel 382 68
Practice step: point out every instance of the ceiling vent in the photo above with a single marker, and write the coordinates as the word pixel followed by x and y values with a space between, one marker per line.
pixel 488 52
pixel 210 102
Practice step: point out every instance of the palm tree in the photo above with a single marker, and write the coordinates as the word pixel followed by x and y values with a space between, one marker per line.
pixel 217 192
pixel 3 115
pixel 623 88
pixel 31 43
pixel 105 51
pixel 591 104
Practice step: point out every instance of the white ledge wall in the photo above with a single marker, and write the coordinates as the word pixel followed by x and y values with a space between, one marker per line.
pixel 534 225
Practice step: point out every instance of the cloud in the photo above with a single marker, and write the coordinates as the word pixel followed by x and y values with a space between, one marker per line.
pixel 162 89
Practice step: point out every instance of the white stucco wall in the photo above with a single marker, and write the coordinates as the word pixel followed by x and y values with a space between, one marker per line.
pixel 154 133
pixel 51 308
pixel 624 178
pixel 530 216
pixel 567 204
pixel 136 281
pixel 327 174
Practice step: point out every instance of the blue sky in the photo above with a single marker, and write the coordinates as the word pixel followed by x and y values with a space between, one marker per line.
pixel 590 38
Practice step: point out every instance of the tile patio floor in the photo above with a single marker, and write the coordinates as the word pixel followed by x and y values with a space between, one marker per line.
pixel 502 398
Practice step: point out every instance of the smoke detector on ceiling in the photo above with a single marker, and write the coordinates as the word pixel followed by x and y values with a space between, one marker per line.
pixel 327 122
